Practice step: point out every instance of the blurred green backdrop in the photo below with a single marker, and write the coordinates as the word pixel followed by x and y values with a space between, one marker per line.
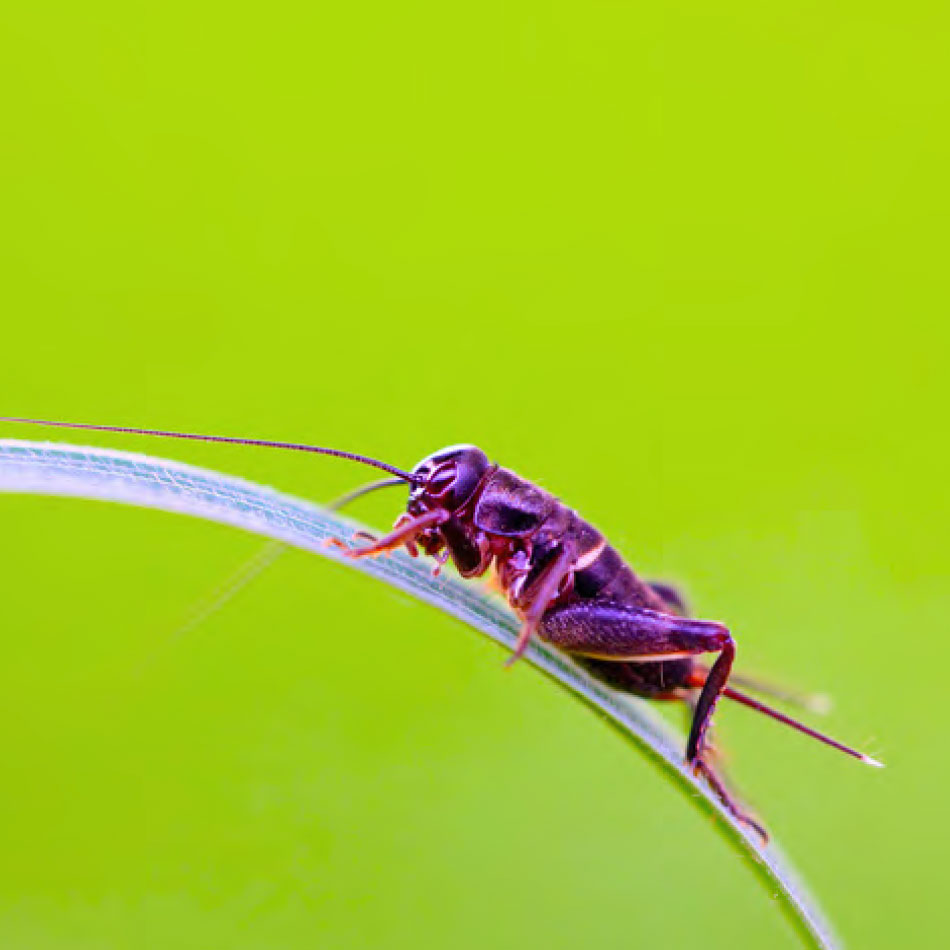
pixel 684 267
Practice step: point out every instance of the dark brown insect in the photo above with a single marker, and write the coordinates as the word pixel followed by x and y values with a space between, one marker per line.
pixel 566 583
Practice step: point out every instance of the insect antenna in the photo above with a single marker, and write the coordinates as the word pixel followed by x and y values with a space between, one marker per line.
pixel 265 443
pixel 745 700
pixel 338 503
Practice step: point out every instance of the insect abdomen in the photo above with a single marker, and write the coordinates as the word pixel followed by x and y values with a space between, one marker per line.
pixel 607 577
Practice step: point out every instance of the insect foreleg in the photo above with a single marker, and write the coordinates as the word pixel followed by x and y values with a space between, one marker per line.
pixel 406 531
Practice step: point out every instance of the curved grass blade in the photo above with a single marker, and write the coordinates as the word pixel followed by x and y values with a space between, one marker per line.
pixel 107 475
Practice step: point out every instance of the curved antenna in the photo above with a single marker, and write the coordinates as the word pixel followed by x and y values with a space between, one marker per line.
pixel 265 443
pixel 338 503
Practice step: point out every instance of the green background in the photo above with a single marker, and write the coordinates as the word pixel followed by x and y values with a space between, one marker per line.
pixel 682 264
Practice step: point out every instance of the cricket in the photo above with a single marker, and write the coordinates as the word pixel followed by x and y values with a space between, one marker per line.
pixel 565 582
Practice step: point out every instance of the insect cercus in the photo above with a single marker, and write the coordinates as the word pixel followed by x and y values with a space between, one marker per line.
pixel 566 583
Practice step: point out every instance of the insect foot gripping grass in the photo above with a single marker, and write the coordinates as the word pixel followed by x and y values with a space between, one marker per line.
pixel 601 649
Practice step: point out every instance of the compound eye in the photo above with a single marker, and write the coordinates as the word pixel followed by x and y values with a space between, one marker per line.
pixel 441 481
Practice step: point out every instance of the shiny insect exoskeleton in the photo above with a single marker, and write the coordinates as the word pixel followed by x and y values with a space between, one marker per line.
pixel 573 590
pixel 566 583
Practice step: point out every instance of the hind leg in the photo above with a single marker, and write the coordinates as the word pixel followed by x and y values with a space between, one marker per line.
pixel 624 633
pixel 716 782
pixel 709 767
pixel 640 633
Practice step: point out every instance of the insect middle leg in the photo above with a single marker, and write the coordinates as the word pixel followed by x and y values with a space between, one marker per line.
pixel 539 591
pixel 607 631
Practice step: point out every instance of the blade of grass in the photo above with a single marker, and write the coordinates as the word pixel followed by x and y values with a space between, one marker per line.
pixel 107 475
